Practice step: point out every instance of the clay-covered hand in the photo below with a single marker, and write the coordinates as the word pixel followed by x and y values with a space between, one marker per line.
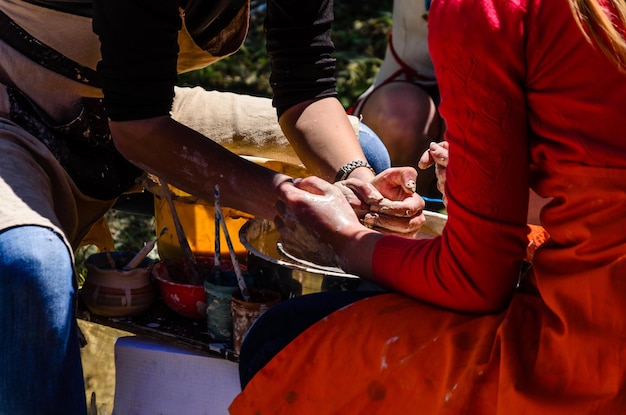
pixel 317 224
pixel 388 203
pixel 314 216
pixel 437 154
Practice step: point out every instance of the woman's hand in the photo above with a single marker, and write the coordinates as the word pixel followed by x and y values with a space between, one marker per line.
pixel 388 203
pixel 437 154
pixel 320 207
pixel 316 215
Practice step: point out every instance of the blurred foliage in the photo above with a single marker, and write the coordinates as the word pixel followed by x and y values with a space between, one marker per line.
pixel 360 37
pixel 129 231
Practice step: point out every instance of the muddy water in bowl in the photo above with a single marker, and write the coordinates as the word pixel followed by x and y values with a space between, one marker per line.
pixel 219 288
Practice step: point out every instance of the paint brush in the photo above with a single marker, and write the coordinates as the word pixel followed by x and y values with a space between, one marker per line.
pixel 143 252
pixel 233 257
pixel 110 259
pixel 217 260
pixel 182 239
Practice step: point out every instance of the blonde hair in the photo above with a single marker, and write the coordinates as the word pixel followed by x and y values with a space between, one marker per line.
pixel 604 23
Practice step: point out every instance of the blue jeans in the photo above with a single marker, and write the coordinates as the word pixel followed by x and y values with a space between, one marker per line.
pixel 375 151
pixel 40 366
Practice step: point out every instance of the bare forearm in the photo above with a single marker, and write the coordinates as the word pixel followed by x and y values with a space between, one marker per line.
pixel 355 250
pixel 323 137
pixel 195 164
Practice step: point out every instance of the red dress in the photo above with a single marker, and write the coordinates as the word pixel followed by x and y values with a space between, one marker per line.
pixel 520 87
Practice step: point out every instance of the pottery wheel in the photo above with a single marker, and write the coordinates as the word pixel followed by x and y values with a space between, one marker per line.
pixel 314 260
pixel 302 248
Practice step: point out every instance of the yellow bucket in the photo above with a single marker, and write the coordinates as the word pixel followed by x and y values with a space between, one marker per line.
pixel 198 222
pixel 197 218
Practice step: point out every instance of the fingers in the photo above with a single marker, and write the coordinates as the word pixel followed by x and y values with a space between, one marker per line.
pixel 410 186
pixel 396 183
pixel 402 176
pixel 407 207
pixel 405 177
pixel 436 153
pixel 425 160
pixel 389 204
pixel 371 220
pixel 394 225
pixel 439 153
pixel 365 191
pixel 280 224
pixel 313 184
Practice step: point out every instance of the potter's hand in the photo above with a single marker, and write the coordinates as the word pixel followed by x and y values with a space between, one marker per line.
pixel 314 216
pixel 437 154
pixel 389 202
pixel 317 207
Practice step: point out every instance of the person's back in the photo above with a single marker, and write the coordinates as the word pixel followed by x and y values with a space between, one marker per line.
pixel 48 76
pixel 558 100
pixel 62 63
pixel 575 99
pixel 535 106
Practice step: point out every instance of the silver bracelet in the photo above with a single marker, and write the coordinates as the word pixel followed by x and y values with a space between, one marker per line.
pixel 348 168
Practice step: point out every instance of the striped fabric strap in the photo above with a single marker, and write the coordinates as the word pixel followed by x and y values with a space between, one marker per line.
pixel 42 54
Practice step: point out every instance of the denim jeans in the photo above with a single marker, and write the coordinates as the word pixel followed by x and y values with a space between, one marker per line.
pixel 375 151
pixel 40 366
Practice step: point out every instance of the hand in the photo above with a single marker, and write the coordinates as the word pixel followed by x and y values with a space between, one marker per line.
pixel 437 154
pixel 314 216
pixel 389 202
pixel 317 206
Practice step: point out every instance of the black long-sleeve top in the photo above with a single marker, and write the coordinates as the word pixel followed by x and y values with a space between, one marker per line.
pixel 140 49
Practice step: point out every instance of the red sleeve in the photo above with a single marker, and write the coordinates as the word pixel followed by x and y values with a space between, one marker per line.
pixel 478 49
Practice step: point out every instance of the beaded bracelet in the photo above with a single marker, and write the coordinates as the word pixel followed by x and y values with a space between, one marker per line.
pixel 348 168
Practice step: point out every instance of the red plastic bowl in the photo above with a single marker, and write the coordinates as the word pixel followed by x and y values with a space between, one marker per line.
pixel 181 295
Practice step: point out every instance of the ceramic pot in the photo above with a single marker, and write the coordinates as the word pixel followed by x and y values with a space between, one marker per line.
pixel 111 292
pixel 245 313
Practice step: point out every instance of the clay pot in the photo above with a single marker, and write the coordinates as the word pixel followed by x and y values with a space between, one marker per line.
pixel 115 293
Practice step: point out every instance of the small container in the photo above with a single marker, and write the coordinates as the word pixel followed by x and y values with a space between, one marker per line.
pixel 245 313
pixel 219 291
pixel 180 292
pixel 111 292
